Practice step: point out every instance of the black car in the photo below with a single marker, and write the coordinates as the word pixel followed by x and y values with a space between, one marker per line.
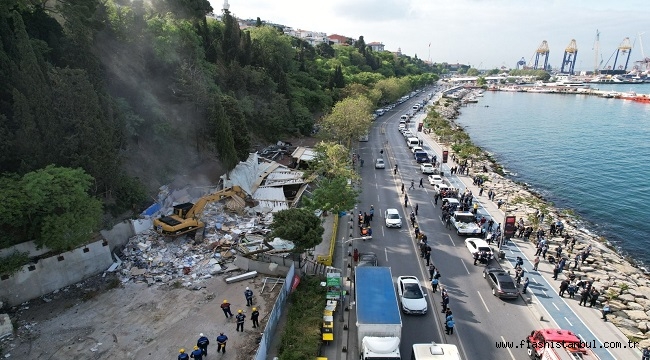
pixel 367 259
pixel 501 283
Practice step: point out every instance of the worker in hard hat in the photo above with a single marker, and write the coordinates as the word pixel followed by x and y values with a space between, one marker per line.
pixel 254 318
pixel 248 294
pixel 240 320
pixel 182 355
pixel 197 354
pixel 203 343
pixel 221 342
pixel 225 306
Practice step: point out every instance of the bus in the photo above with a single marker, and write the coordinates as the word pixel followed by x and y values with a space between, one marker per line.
pixel 435 351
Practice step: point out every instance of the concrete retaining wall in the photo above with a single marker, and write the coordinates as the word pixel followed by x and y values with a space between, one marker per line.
pixel 266 268
pixel 28 247
pixel 119 235
pixel 55 272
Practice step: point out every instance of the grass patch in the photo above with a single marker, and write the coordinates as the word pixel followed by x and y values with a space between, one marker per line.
pixel 302 337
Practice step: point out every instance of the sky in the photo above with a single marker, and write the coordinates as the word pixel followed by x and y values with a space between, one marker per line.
pixel 485 34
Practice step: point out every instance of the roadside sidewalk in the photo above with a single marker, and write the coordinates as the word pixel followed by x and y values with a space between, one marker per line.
pixel 607 333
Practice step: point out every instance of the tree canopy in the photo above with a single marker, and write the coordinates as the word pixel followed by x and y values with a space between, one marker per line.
pixel 301 226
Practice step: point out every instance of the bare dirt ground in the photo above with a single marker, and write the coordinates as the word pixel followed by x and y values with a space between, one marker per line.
pixel 102 319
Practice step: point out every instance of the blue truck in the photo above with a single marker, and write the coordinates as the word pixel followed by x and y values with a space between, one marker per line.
pixel 379 323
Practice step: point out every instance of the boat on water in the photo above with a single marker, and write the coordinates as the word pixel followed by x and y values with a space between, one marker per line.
pixel 513 88
pixel 643 98
pixel 615 80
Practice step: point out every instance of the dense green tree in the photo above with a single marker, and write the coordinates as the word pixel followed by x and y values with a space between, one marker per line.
pixel 333 195
pixel 332 160
pixel 300 226
pixel 349 119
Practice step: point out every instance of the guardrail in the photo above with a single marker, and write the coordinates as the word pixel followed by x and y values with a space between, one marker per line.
pixel 327 259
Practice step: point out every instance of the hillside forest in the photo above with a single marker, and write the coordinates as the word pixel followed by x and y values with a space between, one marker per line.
pixel 102 102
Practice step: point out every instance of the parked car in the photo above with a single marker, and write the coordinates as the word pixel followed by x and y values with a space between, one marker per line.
pixel 411 297
pixel 501 283
pixel 421 157
pixel 379 164
pixel 427 168
pixel 465 223
pixel 416 149
pixel 475 245
pixel 367 259
pixel 435 179
pixel 454 203
pixel 392 218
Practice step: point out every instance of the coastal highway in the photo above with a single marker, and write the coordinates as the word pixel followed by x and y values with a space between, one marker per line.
pixel 482 320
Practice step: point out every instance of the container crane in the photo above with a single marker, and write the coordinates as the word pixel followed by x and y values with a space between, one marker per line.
pixel 625 48
pixel 542 51
pixel 645 62
pixel 569 59
pixel 522 63
pixel 596 49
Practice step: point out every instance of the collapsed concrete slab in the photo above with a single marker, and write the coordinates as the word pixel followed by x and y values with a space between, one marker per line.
pixel 6 328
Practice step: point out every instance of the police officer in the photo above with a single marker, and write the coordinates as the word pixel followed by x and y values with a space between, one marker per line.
pixel 240 320
pixel 182 355
pixel 203 343
pixel 221 342
pixel 197 354
pixel 249 296
pixel 254 318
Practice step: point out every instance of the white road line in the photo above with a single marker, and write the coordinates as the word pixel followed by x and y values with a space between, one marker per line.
pixel 509 351
pixel 386 252
pixel 535 280
pixel 545 294
pixel 484 304
pixel 466 269
pixel 555 306
pixel 452 240
pixel 567 320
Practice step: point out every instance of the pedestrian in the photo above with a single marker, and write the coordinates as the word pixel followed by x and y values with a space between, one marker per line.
pixel 361 162
pixel 544 250
pixel 417 231
pixel 646 353
pixel 427 254
pixel 564 285
pixel 412 185
pixel 606 310
pixel 248 294
pixel 355 255
pixel 432 269
pixel 526 282
pixel 182 355
pixel 406 200
pixel 434 284
pixel 412 217
pixel 395 171
pixel 221 343
pixel 572 290
pixel 240 320
pixel 197 354
pixel 450 327
pixel 255 315
pixel 203 343
pixel 593 297
pixel 556 271
pixel 445 302
pixel 372 212
pixel 535 263
pixel 576 260
pixel 402 188
pixel 584 295
pixel 416 209
pixel 480 191
pixel 420 186
pixel 225 306
pixel 476 256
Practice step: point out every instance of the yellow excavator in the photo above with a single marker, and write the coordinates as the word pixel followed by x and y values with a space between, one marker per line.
pixel 185 217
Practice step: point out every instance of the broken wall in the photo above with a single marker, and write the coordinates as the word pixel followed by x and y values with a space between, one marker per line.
pixel 119 235
pixel 261 267
pixel 55 272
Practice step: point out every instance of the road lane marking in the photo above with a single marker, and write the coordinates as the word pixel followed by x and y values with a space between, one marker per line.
pixel 558 309
pixel 386 252
pixel 452 240
pixel 466 269
pixel 545 294
pixel 484 304
pixel 567 320
pixel 509 351
pixel 535 280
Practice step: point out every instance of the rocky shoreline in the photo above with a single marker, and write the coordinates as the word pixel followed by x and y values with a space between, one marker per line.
pixel 618 278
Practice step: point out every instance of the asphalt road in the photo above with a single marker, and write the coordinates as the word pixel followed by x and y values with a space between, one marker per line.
pixel 481 319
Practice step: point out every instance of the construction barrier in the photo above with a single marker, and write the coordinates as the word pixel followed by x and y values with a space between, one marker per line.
pixel 327 259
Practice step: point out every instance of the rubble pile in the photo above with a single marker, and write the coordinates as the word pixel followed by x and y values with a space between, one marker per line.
pixel 153 258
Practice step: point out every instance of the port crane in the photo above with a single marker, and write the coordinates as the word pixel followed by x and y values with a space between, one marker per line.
pixel 569 59
pixel 645 62
pixel 541 52
pixel 625 48
pixel 522 63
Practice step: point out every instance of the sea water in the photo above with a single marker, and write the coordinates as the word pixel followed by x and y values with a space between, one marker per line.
pixel 580 152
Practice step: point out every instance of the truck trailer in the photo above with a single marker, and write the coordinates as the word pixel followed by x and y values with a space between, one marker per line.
pixel 379 323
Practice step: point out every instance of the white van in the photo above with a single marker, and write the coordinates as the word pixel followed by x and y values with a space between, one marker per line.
pixel 404 118
pixel 412 141
pixel 416 107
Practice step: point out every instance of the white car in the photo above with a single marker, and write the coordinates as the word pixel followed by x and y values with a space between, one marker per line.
pixel 427 168
pixel 465 223
pixel 453 203
pixel 392 218
pixel 401 127
pixel 435 179
pixel 416 149
pixel 411 297
pixel 475 245
pixel 407 133
pixel 379 164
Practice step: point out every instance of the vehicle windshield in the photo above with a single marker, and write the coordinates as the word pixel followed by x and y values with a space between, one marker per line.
pixel 466 219
pixel 486 249
pixel 506 284
pixel 412 291
pixel 393 216
pixel 380 161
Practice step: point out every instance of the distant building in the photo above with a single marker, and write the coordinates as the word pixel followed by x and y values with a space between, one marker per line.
pixel 339 39
pixel 312 37
pixel 376 46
